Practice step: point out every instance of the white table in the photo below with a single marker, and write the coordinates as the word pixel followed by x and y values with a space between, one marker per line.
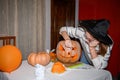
pixel 26 72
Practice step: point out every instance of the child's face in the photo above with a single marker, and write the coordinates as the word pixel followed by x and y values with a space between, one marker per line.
pixel 91 40
pixel 89 37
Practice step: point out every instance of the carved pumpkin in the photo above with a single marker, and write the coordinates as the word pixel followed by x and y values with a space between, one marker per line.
pixel 68 57
pixel 41 58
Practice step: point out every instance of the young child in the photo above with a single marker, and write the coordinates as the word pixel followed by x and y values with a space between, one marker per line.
pixel 95 41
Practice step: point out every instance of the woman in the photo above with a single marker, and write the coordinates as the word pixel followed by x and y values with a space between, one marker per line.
pixel 95 41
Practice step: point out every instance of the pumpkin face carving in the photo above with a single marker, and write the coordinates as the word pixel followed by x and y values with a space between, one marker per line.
pixel 41 58
pixel 71 57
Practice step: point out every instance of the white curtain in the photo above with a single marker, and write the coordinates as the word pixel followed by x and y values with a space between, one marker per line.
pixel 24 19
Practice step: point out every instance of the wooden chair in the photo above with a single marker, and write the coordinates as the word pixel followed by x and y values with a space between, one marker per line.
pixel 8 40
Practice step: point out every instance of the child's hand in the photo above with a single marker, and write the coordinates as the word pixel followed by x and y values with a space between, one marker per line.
pixel 93 43
pixel 68 43
pixel 67 50
pixel 68 46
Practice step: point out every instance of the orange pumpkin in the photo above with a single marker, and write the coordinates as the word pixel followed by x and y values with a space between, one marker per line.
pixel 58 67
pixel 41 58
pixel 53 56
pixel 68 57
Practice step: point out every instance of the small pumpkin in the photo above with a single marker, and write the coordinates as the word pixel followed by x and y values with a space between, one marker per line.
pixel 68 57
pixel 53 56
pixel 41 58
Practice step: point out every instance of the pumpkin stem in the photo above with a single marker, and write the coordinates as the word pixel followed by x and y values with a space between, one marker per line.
pixel 52 50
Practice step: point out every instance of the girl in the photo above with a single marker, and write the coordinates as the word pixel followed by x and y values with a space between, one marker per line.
pixel 95 41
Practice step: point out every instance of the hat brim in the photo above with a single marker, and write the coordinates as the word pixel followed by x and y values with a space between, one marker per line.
pixel 104 39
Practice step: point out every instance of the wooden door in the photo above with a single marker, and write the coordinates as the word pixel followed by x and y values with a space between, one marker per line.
pixel 62 14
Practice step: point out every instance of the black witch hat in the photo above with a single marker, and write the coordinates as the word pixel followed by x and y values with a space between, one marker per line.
pixel 98 29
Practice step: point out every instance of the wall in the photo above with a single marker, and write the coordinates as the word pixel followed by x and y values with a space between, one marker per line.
pixel 109 9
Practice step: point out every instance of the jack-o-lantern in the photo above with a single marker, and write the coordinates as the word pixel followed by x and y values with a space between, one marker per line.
pixel 70 57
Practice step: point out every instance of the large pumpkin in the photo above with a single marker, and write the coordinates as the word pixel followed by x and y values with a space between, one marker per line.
pixel 41 58
pixel 68 57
